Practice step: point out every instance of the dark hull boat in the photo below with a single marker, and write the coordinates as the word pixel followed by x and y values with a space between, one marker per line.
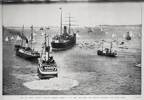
pixel 109 54
pixel 128 37
pixel 64 40
pixel 64 43
pixel 25 51
pixel 47 67
pixel 107 51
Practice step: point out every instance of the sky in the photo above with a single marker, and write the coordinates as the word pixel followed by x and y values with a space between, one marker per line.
pixel 85 14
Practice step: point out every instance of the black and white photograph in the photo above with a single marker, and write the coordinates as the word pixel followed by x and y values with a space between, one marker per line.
pixel 71 48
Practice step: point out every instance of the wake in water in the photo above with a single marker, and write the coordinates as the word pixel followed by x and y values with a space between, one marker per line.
pixel 52 84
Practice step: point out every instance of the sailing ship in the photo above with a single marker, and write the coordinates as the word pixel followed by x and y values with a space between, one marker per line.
pixel 107 51
pixel 47 67
pixel 26 51
pixel 6 39
pixel 128 37
pixel 65 39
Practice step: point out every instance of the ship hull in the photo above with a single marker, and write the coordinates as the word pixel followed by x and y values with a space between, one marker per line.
pixel 128 38
pixel 26 55
pixel 50 73
pixel 45 76
pixel 101 53
pixel 58 46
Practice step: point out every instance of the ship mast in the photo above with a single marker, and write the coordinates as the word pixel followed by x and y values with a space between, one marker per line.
pixel 69 23
pixel 22 35
pixel 110 47
pixel 31 35
pixel 102 44
pixel 48 47
pixel 141 18
pixel 61 21
pixel 45 46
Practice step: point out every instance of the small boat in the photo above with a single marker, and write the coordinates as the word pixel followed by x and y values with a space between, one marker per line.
pixel 65 39
pixel 12 38
pixel 107 51
pixel 6 39
pixel 25 51
pixel 128 37
pixel 18 38
pixel 138 65
pixel 47 67
pixel 101 28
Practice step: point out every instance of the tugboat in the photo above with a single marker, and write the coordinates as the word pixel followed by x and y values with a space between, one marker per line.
pixel 107 51
pixel 64 40
pixel 47 67
pixel 128 37
pixel 26 51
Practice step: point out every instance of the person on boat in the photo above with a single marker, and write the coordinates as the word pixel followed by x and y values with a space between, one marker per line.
pixel 26 46
pixel 51 60
pixel 106 50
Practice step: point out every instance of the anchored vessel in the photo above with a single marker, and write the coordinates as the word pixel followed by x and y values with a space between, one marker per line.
pixel 128 37
pixel 26 51
pixel 107 51
pixel 65 39
pixel 47 67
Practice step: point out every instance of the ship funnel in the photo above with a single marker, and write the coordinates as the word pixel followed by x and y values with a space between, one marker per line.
pixel 65 30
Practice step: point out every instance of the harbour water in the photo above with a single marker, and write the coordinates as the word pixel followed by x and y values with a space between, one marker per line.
pixel 84 71
pixel 96 75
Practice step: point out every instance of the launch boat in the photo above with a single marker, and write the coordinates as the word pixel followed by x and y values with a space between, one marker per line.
pixel 25 51
pixel 47 67
pixel 107 51
pixel 65 39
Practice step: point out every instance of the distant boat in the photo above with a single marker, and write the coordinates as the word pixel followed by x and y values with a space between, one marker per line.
pixel 12 38
pixel 6 39
pixel 26 51
pixel 63 40
pixel 107 51
pixel 18 38
pixel 101 28
pixel 47 67
pixel 138 65
pixel 128 37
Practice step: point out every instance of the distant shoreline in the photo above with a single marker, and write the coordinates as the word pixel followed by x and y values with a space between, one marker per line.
pixel 76 27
